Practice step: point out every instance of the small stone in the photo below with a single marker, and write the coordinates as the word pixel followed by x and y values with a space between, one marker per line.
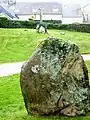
pixel 26 30
pixel 62 33
pixel 41 29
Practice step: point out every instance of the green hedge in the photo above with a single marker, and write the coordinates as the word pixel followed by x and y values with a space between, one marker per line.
pixel 5 23
pixel 49 21
pixel 71 27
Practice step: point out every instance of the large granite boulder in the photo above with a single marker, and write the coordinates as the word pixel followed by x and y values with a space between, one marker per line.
pixel 55 80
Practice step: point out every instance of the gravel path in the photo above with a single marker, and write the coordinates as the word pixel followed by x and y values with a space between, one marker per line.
pixel 86 56
pixel 10 68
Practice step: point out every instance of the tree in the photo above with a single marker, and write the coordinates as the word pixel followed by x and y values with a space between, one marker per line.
pixel 84 12
pixel 11 2
pixel 40 10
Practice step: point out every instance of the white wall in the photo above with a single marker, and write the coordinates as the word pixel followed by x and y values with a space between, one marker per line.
pixel 71 20
pixel 53 17
pixel 24 17
pixel 37 17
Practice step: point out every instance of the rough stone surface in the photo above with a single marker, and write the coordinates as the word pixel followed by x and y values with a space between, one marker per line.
pixel 55 80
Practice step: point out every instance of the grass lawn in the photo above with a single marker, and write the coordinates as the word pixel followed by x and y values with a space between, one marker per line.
pixel 18 44
pixel 88 66
pixel 12 105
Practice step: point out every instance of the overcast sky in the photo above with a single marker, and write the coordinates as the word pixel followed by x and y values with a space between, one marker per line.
pixel 65 1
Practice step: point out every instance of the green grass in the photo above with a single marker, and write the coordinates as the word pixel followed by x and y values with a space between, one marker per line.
pixel 18 45
pixel 88 66
pixel 12 105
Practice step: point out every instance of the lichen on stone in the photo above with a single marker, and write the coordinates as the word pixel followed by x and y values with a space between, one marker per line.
pixel 55 80
pixel 35 69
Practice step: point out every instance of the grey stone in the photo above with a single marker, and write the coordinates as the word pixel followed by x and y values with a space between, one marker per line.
pixel 55 80
pixel 40 29
pixel 62 33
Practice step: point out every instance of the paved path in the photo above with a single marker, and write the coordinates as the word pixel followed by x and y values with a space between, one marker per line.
pixel 86 56
pixel 10 68
pixel 14 68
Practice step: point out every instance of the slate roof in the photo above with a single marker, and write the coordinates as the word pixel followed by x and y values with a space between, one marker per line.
pixel 30 8
pixel 7 12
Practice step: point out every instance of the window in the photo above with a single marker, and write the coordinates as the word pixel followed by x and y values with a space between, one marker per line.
pixel 34 10
pixel 55 10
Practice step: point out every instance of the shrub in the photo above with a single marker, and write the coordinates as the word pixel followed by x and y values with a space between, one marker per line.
pixel 14 24
pixel 3 22
pixel 51 24
pixel 53 21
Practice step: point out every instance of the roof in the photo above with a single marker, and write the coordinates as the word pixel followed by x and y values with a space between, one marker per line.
pixel 4 11
pixel 30 8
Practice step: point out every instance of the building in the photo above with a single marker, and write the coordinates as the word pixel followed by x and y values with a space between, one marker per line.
pixel 50 10
pixel 67 13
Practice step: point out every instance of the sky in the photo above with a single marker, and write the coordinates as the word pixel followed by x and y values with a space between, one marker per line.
pixel 64 1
